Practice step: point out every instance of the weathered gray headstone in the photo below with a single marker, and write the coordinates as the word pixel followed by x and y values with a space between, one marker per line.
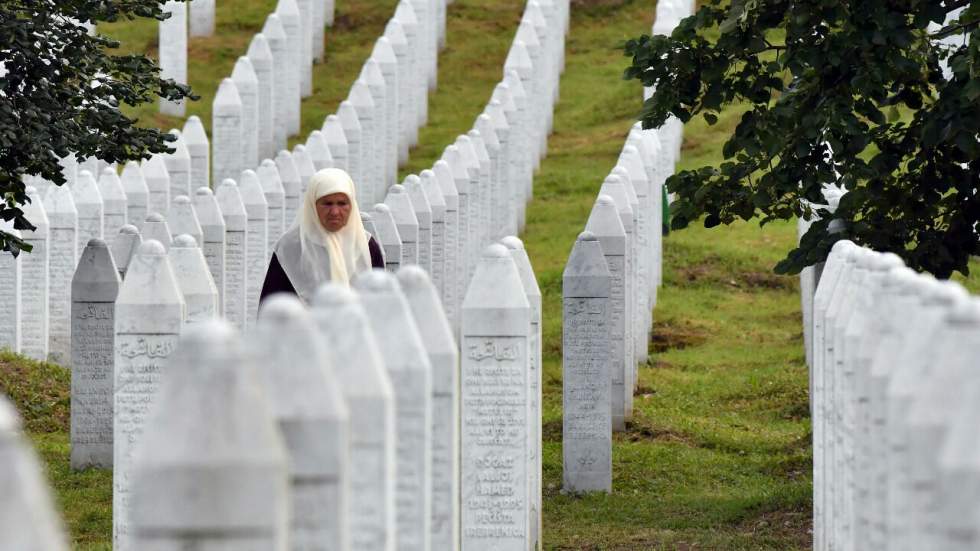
pixel 275 35
pixel 236 258
pixel 353 130
pixel 288 12
pixel 586 370
pixel 319 151
pixel 361 375
pixel 258 255
pixel 35 268
pixel 94 289
pixel 494 407
pixel 155 227
pixel 408 366
pixel 157 181
pixel 291 183
pixel 437 336
pixel 88 202
pixel 408 224
pixel 28 520
pixel 334 135
pixel 11 283
pixel 299 378
pixel 388 236
pixel 423 214
pixel 260 54
pixel 201 17
pixel 149 316
pixel 137 193
pixel 195 281
pixel 274 196
pixel 306 170
pixel 113 201
pixel 179 166
pixel 211 469
pixel 433 193
pixel 227 127
pixel 173 52
pixel 182 219
pixel 124 246
pixel 213 230
pixel 199 149
pixel 63 255
pixel 247 83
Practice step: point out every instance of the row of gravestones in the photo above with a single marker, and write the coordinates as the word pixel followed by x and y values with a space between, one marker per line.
pixel 349 426
pixel 895 399
pixel 235 238
pixel 609 291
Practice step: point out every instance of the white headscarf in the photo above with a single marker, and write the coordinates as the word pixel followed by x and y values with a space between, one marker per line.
pixel 309 254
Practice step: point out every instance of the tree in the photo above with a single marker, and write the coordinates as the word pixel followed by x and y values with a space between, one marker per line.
pixel 850 93
pixel 62 91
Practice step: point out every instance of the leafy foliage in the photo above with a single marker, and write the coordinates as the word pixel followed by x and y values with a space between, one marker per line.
pixel 850 94
pixel 61 94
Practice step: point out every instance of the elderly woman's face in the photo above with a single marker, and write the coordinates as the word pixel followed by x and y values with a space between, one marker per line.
pixel 333 211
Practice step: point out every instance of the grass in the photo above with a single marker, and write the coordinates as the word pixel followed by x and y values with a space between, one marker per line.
pixel 717 455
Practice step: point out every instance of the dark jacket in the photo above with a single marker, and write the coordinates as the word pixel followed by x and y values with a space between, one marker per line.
pixel 276 280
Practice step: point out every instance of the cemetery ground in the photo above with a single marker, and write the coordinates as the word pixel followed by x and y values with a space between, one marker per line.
pixel 717 455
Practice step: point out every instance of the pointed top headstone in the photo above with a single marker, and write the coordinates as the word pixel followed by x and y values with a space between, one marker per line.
pixel 194 279
pixel 86 190
pixel 182 219
pixel 96 278
pixel 319 150
pixel 587 269
pixel 156 228
pixel 227 101
pixel 496 285
pixel 111 186
pixel 124 246
pixel 231 205
pixel 194 133
pixel 258 50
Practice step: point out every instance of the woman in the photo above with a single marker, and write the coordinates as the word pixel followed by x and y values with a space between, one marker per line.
pixel 327 242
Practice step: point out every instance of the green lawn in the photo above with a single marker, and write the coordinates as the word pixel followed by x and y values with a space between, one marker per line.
pixel 717 455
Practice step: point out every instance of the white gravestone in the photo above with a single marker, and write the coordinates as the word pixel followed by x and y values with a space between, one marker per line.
pixel 386 173
pixel 319 16
pixel 194 280
pixel 247 83
pixel 274 196
pixel 503 210
pixel 306 170
pixel 369 119
pixel 406 17
pixel 93 296
pixel 88 202
pixel 182 219
pixel 467 158
pixel 384 54
pixel 408 224
pixel 236 259
pixel 388 236
pixel 213 231
pixel 437 336
pixel 257 240
pixel 11 284
pixel 444 175
pixel 361 375
pixel 155 227
pixel 173 52
pixel 227 126
pixel 351 126
pixel 35 268
pixel 368 221
pixel 485 189
pixel 492 145
pixel 157 181
pixel 260 54
pixel 201 17
pixel 113 201
pixel 69 168
pixel 124 246
pixel 334 135
pixel 137 193
pixel 408 366
pixel 275 35
pixel 328 12
pixel 306 24
pixel 586 374
pixel 63 255
pixel 211 471
pixel 395 35
pixel 433 194
pixel 28 519
pixel 295 371
pixel 288 13
pixel 319 151
pixel 149 316
pixel 494 407
pixel 461 253
pixel 179 166
pixel 199 149
pixel 423 214
pixel 533 292
pixel 604 222
pixel 614 188
pixel 291 184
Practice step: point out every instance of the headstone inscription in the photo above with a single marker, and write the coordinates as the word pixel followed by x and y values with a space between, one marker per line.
pixel 408 224
pixel 586 373
pixel 423 214
pixel 361 375
pixel 447 185
pixel 257 240
pixel 149 316
pixel 124 246
pixel 94 289
pixel 63 255
pixel 210 470
pixel 195 282
pixel 275 35
pixel 247 83
pixel 113 201
pixel 411 375
pixel 35 268
pixel 137 193
pixel 157 184
pixel 437 336
pixel 199 149
pixel 182 219
pixel 260 54
pixel 433 194
pixel 494 382
pixel 236 257
pixel 227 128
pixel 295 371
pixel 388 236
pixel 213 234
pixel 614 187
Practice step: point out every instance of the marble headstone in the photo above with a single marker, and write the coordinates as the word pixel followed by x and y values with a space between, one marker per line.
pixel 236 257
pixel 182 219
pixel 124 246
pixel 408 224
pixel 199 149
pixel 155 227
pixel 88 202
pixel 423 214
pixel 11 284
pixel 113 201
pixel 201 17
pixel 306 170
pixel 179 166
pixel 319 151
pixel 288 12
pixel 157 181
pixel 63 255
pixel 333 134
pixel 291 183
pixel 388 236
pixel 213 234
pixel 173 52
pixel 353 131
pixel 268 174
pixel 258 254
pixel 227 128
pixel 35 268
pixel 275 35
pixel 194 280
pixel 260 54
pixel 433 194
pixel 137 193
pixel 247 84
